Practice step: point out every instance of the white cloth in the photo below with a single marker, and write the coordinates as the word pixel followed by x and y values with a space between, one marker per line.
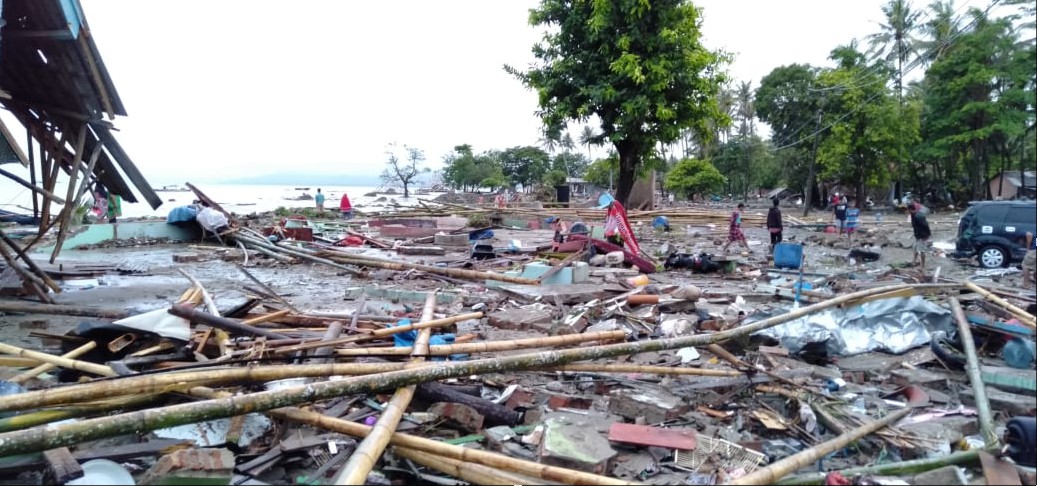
pixel 210 219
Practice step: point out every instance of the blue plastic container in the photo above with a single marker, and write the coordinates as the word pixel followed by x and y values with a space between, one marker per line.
pixel 1019 353
pixel 788 255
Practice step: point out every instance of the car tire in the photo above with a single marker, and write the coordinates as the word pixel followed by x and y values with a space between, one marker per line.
pixel 992 256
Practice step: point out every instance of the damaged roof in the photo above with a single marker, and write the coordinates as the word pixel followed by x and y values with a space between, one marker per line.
pixel 52 77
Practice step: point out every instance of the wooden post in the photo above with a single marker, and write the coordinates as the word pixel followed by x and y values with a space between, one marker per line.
pixel 31 264
pixel 65 216
pixel 782 468
pixel 31 281
pixel 214 320
pixel 32 186
pixel 365 456
pixel 986 419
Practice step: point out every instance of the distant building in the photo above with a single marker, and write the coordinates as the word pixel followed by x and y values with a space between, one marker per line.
pixel 1010 184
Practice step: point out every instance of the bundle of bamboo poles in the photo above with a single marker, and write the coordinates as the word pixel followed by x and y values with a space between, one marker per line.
pixel 33 277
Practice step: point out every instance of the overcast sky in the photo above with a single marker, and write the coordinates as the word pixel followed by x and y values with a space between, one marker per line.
pixel 230 88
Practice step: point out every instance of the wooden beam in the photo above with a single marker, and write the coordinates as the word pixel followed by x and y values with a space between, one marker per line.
pixel 32 187
pixel 65 217
pixel 57 34
pixel 131 171
pixel 95 74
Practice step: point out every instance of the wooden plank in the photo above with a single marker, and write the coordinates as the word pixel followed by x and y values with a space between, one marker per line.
pixel 653 436
pixel 62 466
pixel 996 471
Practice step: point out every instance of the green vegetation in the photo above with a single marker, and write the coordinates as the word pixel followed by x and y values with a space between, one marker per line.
pixel 692 176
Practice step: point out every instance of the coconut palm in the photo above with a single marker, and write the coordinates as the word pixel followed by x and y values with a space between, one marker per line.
pixel 896 42
pixel 940 29
pixel 567 143
pixel 588 138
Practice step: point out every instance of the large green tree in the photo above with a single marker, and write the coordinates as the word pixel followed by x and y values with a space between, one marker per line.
pixel 692 176
pixel 639 65
pixel 525 165
pixel 789 101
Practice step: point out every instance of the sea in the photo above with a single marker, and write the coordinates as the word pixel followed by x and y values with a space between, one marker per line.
pixel 252 198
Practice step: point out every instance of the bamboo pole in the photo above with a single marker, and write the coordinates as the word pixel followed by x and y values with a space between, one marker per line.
pixel 266 317
pixel 492 346
pixel 43 417
pixel 782 468
pixel 381 333
pixel 473 473
pixel 50 196
pixel 986 419
pixel 18 362
pixel 264 245
pixel 450 272
pixel 631 368
pixel 1021 314
pixel 365 456
pixel 61 310
pixel 37 439
pixel 183 380
pixel 209 304
pixel 45 367
pixel 890 468
pixel 65 216
pixel 62 362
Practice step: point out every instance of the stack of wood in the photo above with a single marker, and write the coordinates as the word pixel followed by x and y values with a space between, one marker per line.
pixel 33 278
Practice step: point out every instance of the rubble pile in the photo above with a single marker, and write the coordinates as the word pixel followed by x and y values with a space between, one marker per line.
pixel 500 355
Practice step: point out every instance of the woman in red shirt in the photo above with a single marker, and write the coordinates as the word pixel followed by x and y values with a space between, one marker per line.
pixel 345 207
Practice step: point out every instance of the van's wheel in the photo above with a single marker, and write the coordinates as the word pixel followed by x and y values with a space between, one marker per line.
pixel 992 256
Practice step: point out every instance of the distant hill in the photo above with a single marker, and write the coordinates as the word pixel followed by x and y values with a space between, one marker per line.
pixel 293 178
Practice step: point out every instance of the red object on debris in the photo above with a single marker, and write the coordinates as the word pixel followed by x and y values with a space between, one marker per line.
pixel 835 479
pixel 351 241
pixel 653 436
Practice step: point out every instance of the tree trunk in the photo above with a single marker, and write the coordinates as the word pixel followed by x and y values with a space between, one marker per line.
pixel 629 158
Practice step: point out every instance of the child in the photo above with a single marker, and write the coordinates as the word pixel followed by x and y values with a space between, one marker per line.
pixel 774 225
pixel 853 215
pixel 840 214
pixel 734 230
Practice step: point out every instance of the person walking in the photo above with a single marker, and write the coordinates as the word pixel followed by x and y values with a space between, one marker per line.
pixel 734 230
pixel 774 224
pixel 922 233
pixel 319 199
pixel 853 218
pixel 840 214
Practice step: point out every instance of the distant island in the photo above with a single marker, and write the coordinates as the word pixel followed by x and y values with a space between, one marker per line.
pixel 295 178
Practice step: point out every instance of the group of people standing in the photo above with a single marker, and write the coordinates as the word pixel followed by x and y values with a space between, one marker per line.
pixel 344 206
pixel 847 216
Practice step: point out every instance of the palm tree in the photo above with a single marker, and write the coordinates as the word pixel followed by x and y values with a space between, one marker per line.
pixel 943 27
pixel 896 41
pixel 746 113
pixel 588 137
pixel 549 142
pixel 567 142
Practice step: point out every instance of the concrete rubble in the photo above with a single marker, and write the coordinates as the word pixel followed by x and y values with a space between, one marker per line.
pixel 537 366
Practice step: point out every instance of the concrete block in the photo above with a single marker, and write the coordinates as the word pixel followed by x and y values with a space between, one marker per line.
pixel 192 466
pixel 536 269
pixel 573 442
pixel 654 405
pixel 521 319
pixel 463 416
pixel 398 295
pixel 451 240
pixel 945 475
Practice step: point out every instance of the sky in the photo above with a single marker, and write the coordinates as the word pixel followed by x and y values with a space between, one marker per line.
pixel 217 90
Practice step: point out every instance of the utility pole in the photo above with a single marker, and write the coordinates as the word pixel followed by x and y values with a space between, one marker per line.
pixel 809 196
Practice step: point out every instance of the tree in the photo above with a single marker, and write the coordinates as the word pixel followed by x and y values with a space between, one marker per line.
pixel 589 137
pixel 896 42
pixel 638 65
pixel 524 165
pixel 402 173
pixel 601 172
pixel 789 102
pixel 693 176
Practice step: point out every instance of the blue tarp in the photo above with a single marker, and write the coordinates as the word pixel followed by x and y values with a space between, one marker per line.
pixel 181 214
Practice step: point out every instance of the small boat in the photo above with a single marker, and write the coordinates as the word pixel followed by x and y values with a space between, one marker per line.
pixel 171 188
pixel 302 188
